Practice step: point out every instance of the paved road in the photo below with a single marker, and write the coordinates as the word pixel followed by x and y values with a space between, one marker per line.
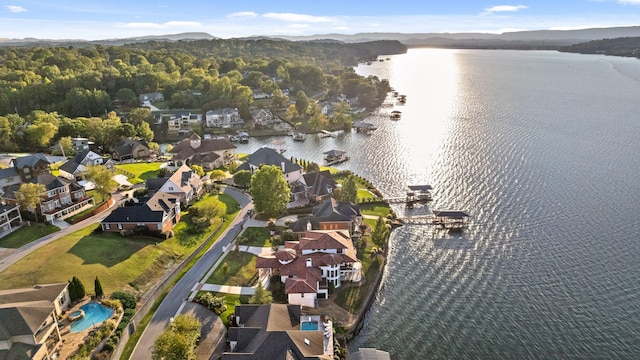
pixel 34 245
pixel 179 293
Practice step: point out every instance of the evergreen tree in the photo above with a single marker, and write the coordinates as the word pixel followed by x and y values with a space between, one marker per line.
pixel 76 289
pixel 261 296
pixel 349 190
pixel 98 288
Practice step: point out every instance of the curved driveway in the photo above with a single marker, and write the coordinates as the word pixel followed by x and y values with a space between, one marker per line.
pixel 179 293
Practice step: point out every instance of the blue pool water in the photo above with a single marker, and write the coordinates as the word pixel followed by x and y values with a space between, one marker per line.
pixel 309 325
pixel 94 314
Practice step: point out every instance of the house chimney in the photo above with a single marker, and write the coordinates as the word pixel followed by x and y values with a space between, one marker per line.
pixel 282 166
pixel 309 262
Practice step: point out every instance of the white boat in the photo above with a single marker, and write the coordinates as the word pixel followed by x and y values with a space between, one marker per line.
pixel 298 136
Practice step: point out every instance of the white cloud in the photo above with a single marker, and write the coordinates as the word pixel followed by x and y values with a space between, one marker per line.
pixel 298 17
pixel 16 9
pixel 243 14
pixel 629 2
pixel 504 8
pixel 298 26
pixel 166 25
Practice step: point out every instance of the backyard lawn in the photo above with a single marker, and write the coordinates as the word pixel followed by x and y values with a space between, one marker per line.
pixel 240 270
pixel 256 236
pixel 26 234
pixel 121 263
pixel 141 171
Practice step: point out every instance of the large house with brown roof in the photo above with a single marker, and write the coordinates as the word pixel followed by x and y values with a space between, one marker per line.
pixel 331 215
pixel 159 214
pixel 208 153
pixel 309 265
pixel 278 331
pixel 130 149
pixel 29 321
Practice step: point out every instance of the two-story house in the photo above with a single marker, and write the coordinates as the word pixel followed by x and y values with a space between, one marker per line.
pixel 331 215
pixel 76 167
pixel 313 187
pixel 225 118
pixel 29 321
pixel 309 265
pixel 208 153
pixel 130 149
pixel 184 184
pixel 267 156
pixel 262 117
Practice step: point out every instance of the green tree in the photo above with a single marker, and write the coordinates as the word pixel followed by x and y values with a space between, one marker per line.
pixel 217 175
pixel 242 178
pixel 317 120
pixel 39 135
pixel 279 100
pixel 66 145
pixel 302 102
pixel 178 342
pixel 380 233
pixel 76 289
pixel 261 295
pixel 139 115
pixel 270 190
pixel 98 288
pixel 341 117
pixel 29 196
pixel 144 132
pixel 197 169
pixel 102 178
pixel 349 190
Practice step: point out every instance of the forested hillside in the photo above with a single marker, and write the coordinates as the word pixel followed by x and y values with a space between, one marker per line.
pixel 626 46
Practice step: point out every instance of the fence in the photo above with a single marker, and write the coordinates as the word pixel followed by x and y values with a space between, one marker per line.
pixel 150 297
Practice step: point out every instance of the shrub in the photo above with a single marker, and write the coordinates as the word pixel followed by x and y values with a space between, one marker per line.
pixel 112 303
pixel 128 300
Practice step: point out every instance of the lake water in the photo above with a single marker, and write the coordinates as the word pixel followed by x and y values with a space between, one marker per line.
pixel 542 149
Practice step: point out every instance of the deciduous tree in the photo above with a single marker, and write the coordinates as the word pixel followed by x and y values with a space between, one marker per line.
pixel 242 178
pixel 102 178
pixel 270 190
pixel 349 190
pixel 28 196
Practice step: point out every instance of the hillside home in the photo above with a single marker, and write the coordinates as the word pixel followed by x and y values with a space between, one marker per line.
pixel 309 265
pixel 181 122
pixel 147 99
pixel 130 149
pixel 278 331
pixel 225 118
pixel 29 321
pixel 184 184
pixel 159 214
pixel 79 143
pixel 10 218
pixel 208 153
pixel 267 156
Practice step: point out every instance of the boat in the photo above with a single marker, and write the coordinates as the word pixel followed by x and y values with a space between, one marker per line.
pixel 403 99
pixel 395 115
pixel 325 134
pixel 298 136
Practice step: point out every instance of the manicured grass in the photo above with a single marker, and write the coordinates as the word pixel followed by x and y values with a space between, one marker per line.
pixel 240 270
pixel 365 194
pixel 121 263
pixel 231 300
pixel 141 171
pixel 332 170
pixel 256 236
pixel 26 234
pixel 376 210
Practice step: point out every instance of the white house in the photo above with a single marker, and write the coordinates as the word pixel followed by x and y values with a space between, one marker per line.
pixel 76 168
pixel 184 184
pixel 225 118
pixel 267 156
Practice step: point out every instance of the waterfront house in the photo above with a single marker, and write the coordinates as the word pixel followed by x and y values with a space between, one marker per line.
pixel 158 214
pixel 184 184
pixel 10 218
pixel 307 266
pixel 181 121
pixel 208 153
pixel 314 187
pixel 262 117
pixel 267 156
pixel 130 149
pixel 29 321
pixel 331 215
pixel 79 143
pixel 278 331
pixel 224 118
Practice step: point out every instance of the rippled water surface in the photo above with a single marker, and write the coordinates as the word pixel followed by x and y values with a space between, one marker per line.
pixel 542 149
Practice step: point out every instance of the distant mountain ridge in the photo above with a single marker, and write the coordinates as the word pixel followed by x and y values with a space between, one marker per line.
pixel 534 38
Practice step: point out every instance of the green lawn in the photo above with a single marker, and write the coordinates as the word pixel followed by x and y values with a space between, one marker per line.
pixel 365 194
pixel 26 235
pixel 240 270
pixel 256 236
pixel 141 171
pixel 231 300
pixel 371 209
pixel 351 298
pixel 122 263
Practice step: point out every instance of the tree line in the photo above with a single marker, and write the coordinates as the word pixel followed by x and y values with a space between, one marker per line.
pixel 625 46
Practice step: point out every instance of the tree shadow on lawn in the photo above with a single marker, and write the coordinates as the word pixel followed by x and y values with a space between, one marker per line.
pixel 148 175
pixel 108 249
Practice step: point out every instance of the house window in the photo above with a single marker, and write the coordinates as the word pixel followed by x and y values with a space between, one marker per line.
pixel 52 193
pixel 106 226
pixel 120 226
pixel 301 295
pixel 170 188
pixel 159 226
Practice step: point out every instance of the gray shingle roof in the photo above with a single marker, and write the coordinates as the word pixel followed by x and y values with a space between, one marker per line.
pixel 268 156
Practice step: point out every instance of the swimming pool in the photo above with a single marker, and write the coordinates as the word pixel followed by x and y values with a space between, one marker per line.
pixel 94 314
pixel 309 325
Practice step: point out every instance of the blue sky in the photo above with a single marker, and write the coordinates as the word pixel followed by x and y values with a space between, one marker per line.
pixel 92 20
